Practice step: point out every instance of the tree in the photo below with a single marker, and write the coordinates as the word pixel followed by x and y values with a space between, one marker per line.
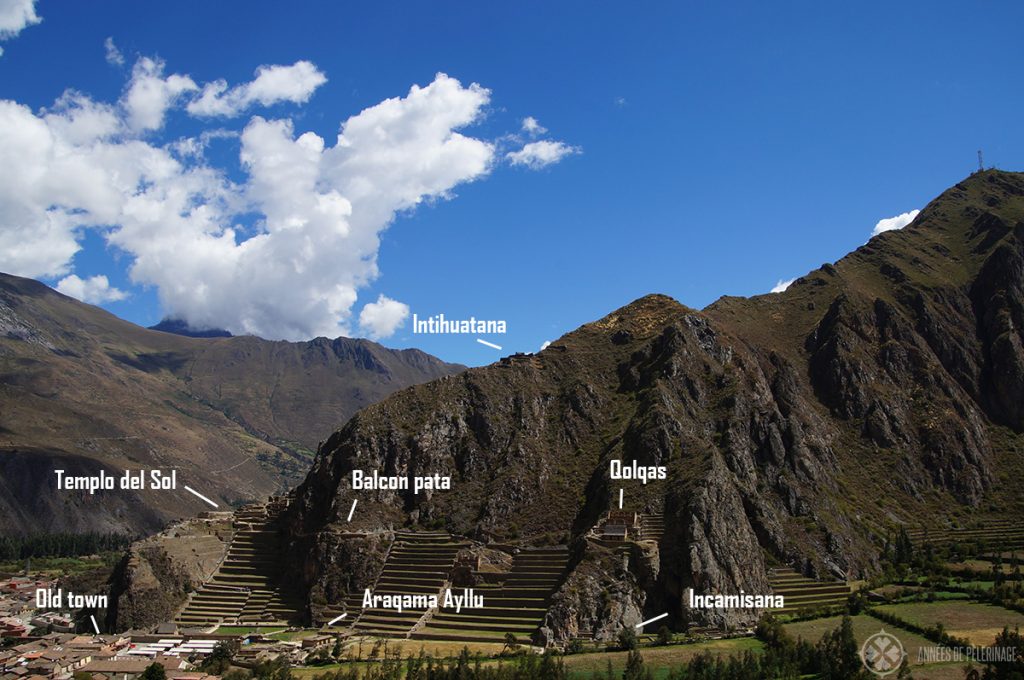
pixel 635 667
pixel 770 631
pixel 904 552
pixel 628 638
pixel 551 667
pixel 278 669
pixel 154 671
pixel 575 646
pixel 1013 667
pixel 839 657
pixel 511 642
pixel 320 657
pixel 664 636
pixel 219 659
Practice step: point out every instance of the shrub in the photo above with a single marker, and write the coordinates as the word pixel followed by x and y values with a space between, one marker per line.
pixel 628 639
pixel 664 636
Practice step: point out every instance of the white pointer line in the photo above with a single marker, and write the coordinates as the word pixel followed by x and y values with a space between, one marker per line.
pixel 620 499
pixel 656 618
pixel 199 495
pixel 489 344
pixel 95 626
pixel 336 619
pixel 353 510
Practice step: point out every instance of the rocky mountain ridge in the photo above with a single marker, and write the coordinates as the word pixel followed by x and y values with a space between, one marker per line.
pixel 798 428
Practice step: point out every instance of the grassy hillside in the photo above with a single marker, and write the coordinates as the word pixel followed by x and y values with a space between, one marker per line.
pixel 239 417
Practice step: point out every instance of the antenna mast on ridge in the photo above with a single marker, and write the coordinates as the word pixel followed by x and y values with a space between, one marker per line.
pixel 981 165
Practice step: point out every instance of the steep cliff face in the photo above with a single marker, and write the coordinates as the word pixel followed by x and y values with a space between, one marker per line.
pixel 797 428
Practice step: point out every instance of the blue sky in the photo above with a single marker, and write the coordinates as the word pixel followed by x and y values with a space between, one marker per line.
pixel 712 150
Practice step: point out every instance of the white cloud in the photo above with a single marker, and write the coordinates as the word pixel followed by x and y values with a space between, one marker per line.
pixel 114 56
pixel 94 290
pixel 545 345
pixel 382 318
pixel 296 272
pixel 536 155
pixel 898 222
pixel 50 181
pixel 272 84
pixel 782 285
pixel 280 248
pixel 532 127
pixel 150 94
pixel 15 16
pixel 194 148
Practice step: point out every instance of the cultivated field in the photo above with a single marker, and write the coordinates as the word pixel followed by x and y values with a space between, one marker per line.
pixel 658 659
pixel 864 627
pixel 977 623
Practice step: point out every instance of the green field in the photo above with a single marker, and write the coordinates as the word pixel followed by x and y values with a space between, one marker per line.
pixel 949 595
pixel 293 635
pixel 864 626
pixel 59 566
pixel 978 623
pixel 977 585
pixel 978 566
pixel 975 622
pixel 362 646
pixel 246 630
pixel 659 659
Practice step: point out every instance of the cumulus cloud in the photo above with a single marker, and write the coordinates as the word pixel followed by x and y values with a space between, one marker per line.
pixel 782 285
pixel 194 148
pixel 15 16
pixel 292 273
pixel 543 153
pixel 272 84
pixel 150 94
pixel 55 171
pixel 382 318
pixel 113 55
pixel 898 222
pixel 94 290
pixel 532 127
pixel 545 345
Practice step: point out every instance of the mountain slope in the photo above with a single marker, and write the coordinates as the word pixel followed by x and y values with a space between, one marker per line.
pixel 239 417
pixel 797 428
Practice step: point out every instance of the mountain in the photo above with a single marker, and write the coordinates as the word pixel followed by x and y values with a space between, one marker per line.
pixel 239 418
pixel 801 428
pixel 180 327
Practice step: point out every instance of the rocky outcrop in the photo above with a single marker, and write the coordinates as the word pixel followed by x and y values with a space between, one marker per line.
pixel 599 599
pixel 151 588
pixel 338 566
pixel 153 580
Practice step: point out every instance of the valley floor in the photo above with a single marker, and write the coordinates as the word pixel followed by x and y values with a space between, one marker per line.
pixel 975 622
